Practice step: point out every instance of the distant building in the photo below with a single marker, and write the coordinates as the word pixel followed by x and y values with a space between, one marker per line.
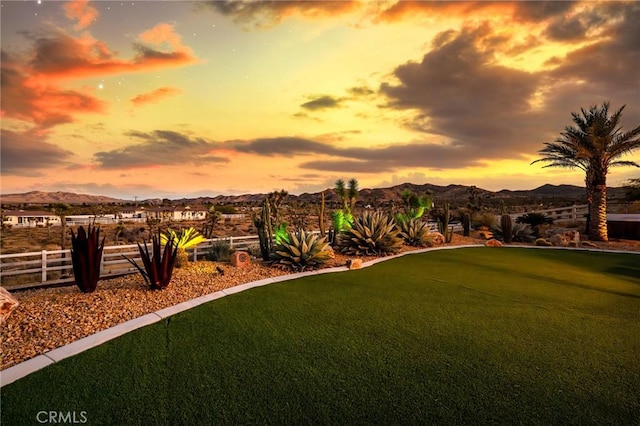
pixel 176 214
pixel 26 218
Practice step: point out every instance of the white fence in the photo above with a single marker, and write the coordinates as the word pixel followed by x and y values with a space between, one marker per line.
pixel 51 267
pixel 562 214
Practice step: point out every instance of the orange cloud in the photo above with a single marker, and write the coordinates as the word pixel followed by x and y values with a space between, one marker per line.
pixel 161 34
pixel 62 56
pixel 82 12
pixel 154 96
pixel 31 82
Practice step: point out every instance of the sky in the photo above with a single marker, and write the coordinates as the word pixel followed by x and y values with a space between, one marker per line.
pixel 176 99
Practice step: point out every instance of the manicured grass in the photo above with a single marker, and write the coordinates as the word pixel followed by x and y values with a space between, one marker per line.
pixel 473 335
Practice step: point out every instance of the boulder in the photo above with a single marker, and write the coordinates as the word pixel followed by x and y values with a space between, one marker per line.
pixel 354 263
pixel 240 259
pixel 485 234
pixel 436 238
pixel 588 244
pixel 493 243
pixel 563 237
pixel 7 304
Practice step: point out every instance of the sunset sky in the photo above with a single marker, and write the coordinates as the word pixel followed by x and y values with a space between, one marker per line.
pixel 174 98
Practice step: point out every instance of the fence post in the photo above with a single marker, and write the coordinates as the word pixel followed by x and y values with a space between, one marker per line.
pixel 195 253
pixel 231 242
pixel 44 267
pixel 574 213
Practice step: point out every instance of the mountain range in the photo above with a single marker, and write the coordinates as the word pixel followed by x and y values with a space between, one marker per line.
pixel 372 196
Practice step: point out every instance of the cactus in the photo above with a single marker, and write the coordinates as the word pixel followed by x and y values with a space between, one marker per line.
pixel 265 233
pixel 466 224
pixel 321 215
pixel 443 224
pixel 507 228
pixel 443 220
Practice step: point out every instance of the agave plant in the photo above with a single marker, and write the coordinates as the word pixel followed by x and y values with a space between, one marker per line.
pixel 158 265
pixel 521 232
pixel 301 250
pixel 414 232
pixel 86 255
pixel 372 234
pixel 183 240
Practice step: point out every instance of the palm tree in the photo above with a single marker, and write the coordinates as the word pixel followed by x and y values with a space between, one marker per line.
pixel 594 144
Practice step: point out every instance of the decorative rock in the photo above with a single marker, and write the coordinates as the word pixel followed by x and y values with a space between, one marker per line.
pixel 493 243
pixel 572 244
pixel 564 236
pixel 543 243
pixel 7 304
pixel 436 238
pixel 588 244
pixel 485 234
pixel 354 263
pixel 240 259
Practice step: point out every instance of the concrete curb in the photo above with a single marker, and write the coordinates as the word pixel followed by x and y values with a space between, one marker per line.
pixel 25 368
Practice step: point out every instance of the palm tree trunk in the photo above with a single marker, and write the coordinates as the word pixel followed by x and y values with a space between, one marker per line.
pixel 598 214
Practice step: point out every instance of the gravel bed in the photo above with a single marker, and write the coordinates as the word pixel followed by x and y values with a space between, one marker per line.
pixel 53 317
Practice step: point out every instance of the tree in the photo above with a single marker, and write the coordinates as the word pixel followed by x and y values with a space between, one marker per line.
pixel 595 143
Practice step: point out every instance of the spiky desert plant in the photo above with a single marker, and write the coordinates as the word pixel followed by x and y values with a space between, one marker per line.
pixel 158 265
pixel 86 255
pixel 301 250
pixel 520 232
pixel 220 251
pixel 183 240
pixel 414 232
pixel 372 234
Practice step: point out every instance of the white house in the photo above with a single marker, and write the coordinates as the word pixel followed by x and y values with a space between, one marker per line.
pixel 176 214
pixel 26 218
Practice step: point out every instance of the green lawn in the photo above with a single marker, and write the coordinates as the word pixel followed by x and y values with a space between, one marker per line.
pixel 472 335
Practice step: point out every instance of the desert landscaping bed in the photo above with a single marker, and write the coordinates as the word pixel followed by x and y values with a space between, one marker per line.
pixel 50 318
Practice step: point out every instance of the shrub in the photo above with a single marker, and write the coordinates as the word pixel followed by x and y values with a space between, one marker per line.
pixel 86 255
pixel 542 242
pixel 220 251
pixel 254 250
pixel 521 233
pixel 414 232
pixel 371 234
pixel 301 250
pixel 486 219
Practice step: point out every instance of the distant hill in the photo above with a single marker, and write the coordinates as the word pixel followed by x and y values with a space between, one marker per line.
pixel 42 197
pixel 569 193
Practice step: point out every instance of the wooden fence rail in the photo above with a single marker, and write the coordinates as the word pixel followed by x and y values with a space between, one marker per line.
pixel 52 267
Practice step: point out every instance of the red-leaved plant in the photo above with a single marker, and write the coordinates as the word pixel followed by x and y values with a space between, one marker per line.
pixel 158 265
pixel 86 255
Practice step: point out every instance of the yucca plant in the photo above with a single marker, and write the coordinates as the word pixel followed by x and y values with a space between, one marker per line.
pixel 414 232
pixel 185 239
pixel 301 250
pixel 158 265
pixel 520 233
pixel 372 234
pixel 86 255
